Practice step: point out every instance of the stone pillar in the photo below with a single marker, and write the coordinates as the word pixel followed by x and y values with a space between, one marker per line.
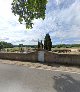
pixel 41 56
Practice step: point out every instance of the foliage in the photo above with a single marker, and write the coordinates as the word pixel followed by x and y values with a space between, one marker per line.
pixel 66 45
pixel 1 46
pixel 47 43
pixel 21 48
pixel 5 45
pixel 28 10
pixel 38 44
pixel 28 46
pixel 20 45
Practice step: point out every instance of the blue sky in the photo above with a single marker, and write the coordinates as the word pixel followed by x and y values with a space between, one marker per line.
pixel 62 22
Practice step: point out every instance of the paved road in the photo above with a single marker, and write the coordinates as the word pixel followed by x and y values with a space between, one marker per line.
pixel 21 79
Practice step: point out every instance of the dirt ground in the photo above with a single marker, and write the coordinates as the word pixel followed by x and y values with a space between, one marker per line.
pixel 52 67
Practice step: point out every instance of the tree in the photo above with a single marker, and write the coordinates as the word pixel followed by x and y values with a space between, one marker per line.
pixel 1 46
pixel 28 10
pixel 21 47
pixel 38 44
pixel 47 43
pixel 41 44
pixel 6 45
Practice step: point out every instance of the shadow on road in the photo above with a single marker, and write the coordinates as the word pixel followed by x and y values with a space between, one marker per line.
pixel 65 83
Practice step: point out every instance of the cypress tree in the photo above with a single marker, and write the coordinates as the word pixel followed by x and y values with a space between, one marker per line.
pixel 47 42
pixel 41 44
pixel 38 44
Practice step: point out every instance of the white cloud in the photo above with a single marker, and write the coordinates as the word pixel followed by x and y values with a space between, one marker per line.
pixel 61 23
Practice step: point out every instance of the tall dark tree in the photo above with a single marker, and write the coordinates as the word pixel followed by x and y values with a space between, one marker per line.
pixel 47 43
pixel 38 44
pixel 41 44
pixel 28 10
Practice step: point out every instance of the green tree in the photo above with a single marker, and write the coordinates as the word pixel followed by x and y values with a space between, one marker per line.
pixel 38 44
pixel 47 43
pixel 41 44
pixel 28 10
pixel 6 45
pixel 1 46
pixel 21 48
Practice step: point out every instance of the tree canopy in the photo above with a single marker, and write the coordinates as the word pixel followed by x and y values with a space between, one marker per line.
pixel 28 10
pixel 5 45
pixel 47 42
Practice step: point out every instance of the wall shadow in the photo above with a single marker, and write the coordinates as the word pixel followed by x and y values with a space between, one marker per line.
pixel 65 83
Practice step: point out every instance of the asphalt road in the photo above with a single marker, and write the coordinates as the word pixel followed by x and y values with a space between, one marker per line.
pixel 21 79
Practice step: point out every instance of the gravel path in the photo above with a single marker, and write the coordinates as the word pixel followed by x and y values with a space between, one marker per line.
pixel 52 67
